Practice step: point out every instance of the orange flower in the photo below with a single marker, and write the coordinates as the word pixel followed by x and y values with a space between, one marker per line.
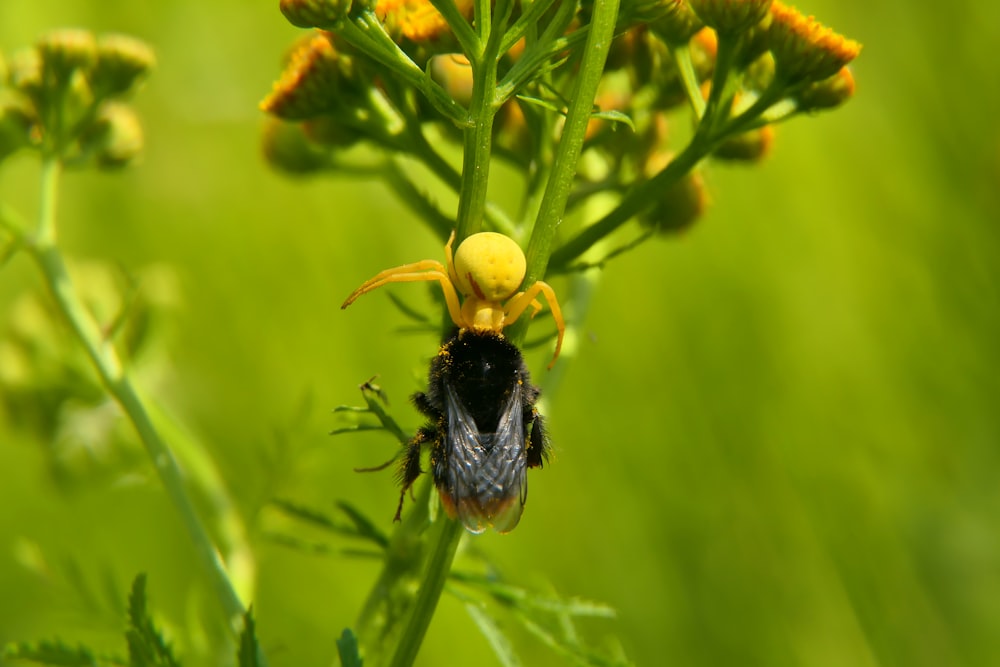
pixel 308 81
pixel 416 20
pixel 805 50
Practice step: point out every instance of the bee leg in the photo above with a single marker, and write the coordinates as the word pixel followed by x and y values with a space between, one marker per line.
pixel 410 470
pixel 423 403
pixel 538 439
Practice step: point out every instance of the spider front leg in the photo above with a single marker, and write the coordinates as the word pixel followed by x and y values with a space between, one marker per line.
pixel 427 269
pixel 517 305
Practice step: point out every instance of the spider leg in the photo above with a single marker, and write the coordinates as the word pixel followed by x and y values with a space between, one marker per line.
pixel 516 306
pixel 427 269
pixel 449 255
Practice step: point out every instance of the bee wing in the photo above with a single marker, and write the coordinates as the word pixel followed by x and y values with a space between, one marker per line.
pixel 486 476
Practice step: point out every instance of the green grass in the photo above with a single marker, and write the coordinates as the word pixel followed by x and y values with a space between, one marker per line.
pixel 777 444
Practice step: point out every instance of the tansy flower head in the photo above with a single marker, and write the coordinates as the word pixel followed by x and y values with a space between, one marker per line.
pixel 67 49
pixel 677 24
pixel 314 13
pixel 122 61
pixel 803 49
pixel 730 16
pixel 416 20
pixel 312 81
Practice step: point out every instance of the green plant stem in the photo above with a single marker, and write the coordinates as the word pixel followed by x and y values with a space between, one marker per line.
pixel 105 360
pixel 685 69
pixel 448 535
pixel 567 157
pixel 634 202
pixel 477 146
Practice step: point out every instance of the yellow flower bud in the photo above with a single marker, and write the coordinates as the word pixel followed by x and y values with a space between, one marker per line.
pixel 116 137
pixel 752 146
pixel 16 123
pixel 314 13
pixel 828 93
pixel 287 148
pixel 65 50
pixel 730 16
pixel 122 61
pixel 453 73
pixel 679 205
pixel 678 24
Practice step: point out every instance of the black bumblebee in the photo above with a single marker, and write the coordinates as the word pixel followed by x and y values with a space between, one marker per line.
pixel 483 430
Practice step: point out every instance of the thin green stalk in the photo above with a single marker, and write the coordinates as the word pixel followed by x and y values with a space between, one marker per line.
pixel 567 157
pixel 105 360
pixel 633 203
pixel 467 38
pixel 685 69
pixel 477 150
pixel 449 534
pixel 440 167
pixel 720 97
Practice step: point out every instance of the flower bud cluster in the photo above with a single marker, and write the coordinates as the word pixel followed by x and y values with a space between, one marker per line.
pixel 67 96
pixel 739 65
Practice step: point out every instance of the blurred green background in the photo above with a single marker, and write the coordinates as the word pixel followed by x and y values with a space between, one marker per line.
pixel 778 445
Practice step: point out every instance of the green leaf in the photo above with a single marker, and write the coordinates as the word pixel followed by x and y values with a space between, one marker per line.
pixel 615 117
pixel 246 655
pixel 347 648
pixel 146 646
pixel 366 528
pixel 544 104
pixel 611 115
pixel 572 650
pixel 488 625
pixel 52 653
pixel 522 598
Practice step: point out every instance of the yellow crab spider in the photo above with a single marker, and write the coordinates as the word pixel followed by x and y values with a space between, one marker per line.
pixel 487 270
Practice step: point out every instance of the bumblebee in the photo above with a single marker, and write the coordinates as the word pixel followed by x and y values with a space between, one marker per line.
pixel 483 429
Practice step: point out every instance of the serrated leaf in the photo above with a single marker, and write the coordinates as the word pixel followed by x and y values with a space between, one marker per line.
pixel 360 526
pixel 365 527
pixel 52 653
pixel 522 598
pixel 146 646
pixel 347 648
pixel 246 655
pixel 502 647
pixel 579 654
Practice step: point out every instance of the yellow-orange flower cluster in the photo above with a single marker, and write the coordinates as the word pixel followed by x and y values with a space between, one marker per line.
pixel 416 20
pixel 805 50
pixel 306 84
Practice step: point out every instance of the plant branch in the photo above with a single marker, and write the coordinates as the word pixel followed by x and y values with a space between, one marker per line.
pixel 104 358
pixel 567 156
pixel 633 203
pixel 478 138
pixel 449 534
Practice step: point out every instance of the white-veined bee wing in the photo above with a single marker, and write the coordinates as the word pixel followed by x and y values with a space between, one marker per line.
pixel 486 473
